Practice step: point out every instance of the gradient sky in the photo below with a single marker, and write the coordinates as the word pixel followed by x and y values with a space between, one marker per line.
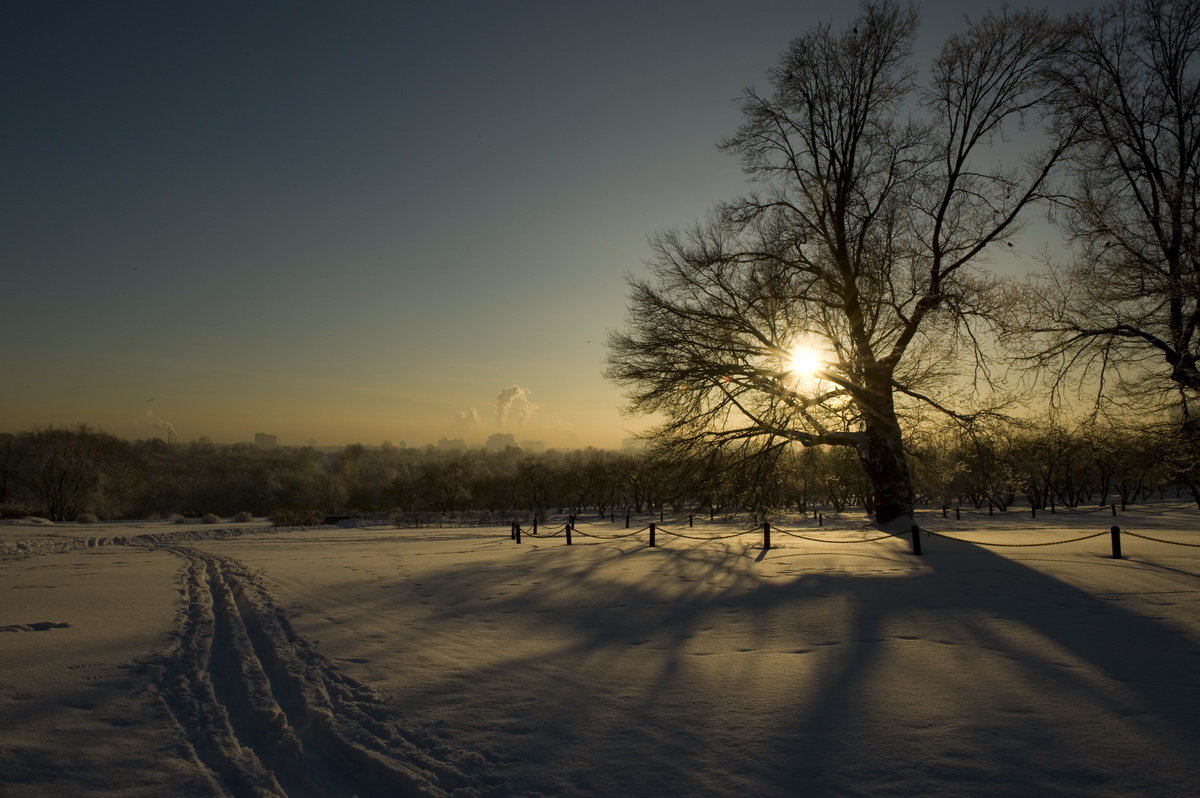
pixel 355 221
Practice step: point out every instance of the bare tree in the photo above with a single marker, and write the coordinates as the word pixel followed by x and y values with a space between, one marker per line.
pixel 877 199
pixel 1127 310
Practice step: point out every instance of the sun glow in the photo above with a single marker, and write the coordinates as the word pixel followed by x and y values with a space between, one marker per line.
pixel 805 362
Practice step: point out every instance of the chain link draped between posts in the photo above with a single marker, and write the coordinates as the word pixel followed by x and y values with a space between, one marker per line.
pixel 794 534
pixel 556 533
pixel 739 533
pixel 1160 540
pixel 614 536
pixel 1015 545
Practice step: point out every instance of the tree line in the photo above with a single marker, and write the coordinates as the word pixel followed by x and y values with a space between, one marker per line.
pixel 82 473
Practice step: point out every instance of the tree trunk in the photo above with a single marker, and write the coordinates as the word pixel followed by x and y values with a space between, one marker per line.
pixel 886 465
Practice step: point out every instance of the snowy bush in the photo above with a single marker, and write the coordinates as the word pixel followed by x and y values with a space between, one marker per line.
pixel 242 517
pixel 210 518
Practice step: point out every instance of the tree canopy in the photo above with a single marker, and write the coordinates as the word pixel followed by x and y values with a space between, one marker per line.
pixel 876 195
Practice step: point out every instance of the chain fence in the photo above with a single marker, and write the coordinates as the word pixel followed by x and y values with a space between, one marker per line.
pixel 570 528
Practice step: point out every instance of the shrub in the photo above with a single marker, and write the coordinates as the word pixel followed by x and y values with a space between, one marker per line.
pixel 287 516
pixel 210 518
pixel 243 516
pixel 86 518
pixel 176 518
pixel 14 511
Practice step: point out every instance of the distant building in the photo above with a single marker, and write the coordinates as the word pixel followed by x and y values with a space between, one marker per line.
pixel 534 447
pixel 452 445
pixel 500 441
pixel 264 441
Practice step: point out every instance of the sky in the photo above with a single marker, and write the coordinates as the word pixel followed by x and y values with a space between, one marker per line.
pixel 356 221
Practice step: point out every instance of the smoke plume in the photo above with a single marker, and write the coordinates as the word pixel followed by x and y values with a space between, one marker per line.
pixel 516 399
pixel 160 424
pixel 467 418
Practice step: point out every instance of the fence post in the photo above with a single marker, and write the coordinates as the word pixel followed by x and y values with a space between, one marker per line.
pixel 766 535
pixel 660 513
pixel 916 540
pixel 1114 509
pixel 627 519
pixel 512 530
pixel 1116 542
pixel 517 529
pixel 535 523
pixel 1033 508
pixel 820 519
pixel 690 517
pixel 570 526
pixel 957 513
pixel 944 509
pixel 651 534
pixel 989 506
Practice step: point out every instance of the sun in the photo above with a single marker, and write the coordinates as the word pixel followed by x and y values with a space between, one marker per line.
pixel 805 362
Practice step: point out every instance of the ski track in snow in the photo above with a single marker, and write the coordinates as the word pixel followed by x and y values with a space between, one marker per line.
pixel 269 716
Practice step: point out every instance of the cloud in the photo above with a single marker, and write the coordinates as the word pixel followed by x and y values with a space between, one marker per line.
pixel 516 399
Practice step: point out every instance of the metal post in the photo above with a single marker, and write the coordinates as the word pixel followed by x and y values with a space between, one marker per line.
pixel 1116 542
pixel 916 540
pixel 690 517
pixel 651 534
pixel 957 513
pixel 535 523
pixel 627 519
pixel 570 526
pixel 517 527
pixel 1114 509
pixel 766 535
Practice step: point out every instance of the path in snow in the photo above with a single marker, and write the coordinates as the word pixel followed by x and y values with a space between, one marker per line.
pixel 268 714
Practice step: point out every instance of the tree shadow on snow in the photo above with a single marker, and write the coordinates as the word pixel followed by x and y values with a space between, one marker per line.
pixel 596 672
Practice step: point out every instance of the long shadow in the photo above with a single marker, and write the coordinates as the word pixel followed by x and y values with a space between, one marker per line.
pixel 839 726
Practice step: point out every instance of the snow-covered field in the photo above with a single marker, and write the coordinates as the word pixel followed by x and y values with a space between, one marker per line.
pixel 185 661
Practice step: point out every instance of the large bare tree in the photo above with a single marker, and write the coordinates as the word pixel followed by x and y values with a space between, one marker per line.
pixel 1126 310
pixel 876 197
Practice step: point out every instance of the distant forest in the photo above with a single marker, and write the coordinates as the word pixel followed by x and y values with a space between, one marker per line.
pixel 84 474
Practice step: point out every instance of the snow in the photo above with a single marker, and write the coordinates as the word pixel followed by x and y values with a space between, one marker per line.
pixel 245 660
